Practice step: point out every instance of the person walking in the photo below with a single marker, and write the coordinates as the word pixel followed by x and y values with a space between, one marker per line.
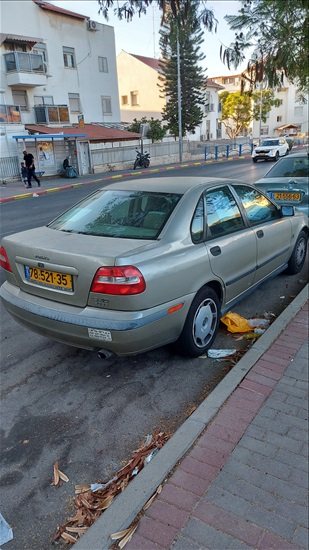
pixel 24 174
pixel 29 160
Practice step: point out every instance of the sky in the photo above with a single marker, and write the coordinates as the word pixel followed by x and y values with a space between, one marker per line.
pixel 141 37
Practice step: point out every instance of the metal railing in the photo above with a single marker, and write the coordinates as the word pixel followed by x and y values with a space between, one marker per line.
pixel 227 151
pixel 9 167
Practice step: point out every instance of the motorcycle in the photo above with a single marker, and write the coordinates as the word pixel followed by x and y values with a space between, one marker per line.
pixel 142 159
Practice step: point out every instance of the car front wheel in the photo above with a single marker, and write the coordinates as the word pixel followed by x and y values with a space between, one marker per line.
pixel 254 160
pixel 276 156
pixel 298 256
pixel 201 325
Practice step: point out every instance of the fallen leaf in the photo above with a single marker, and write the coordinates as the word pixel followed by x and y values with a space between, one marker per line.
pixel 120 534
pixel 56 478
pixel 128 537
pixel 63 476
pixel 68 538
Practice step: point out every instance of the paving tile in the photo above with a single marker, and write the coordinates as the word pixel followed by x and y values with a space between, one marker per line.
pixel 301 537
pixel 166 513
pixel 198 468
pixel 209 456
pixel 255 387
pixel 157 532
pixel 178 496
pixel 227 522
pixel 261 379
pixel 272 542
pixel 183 543
pixel 189 482
pixel 271 521
pixel 210 538
pixel 140 543
pixel 219 445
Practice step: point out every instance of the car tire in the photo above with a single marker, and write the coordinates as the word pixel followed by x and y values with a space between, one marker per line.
pixel 298 256
pixel 201 326
pixel 276 156
pixel 254 160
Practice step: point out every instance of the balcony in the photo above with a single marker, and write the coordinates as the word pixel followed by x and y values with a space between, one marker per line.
pixel 10 114
pixel 25 69
pixel 51 114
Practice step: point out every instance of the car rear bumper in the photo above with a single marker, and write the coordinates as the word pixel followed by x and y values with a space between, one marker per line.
pixel 121 332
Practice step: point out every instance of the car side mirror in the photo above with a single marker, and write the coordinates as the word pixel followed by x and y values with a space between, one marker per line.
pixel 287 210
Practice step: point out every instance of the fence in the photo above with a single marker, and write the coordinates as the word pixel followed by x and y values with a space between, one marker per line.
pixel 9 167
pixel 227 151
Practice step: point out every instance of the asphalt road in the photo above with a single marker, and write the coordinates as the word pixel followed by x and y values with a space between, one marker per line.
pixel 61 403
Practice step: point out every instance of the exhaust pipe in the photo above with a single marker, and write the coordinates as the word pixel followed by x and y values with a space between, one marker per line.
pixel 105 354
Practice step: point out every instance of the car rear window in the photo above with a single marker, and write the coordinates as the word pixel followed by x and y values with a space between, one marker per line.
pixel 270 142
pixel 290 167
pixel 116 213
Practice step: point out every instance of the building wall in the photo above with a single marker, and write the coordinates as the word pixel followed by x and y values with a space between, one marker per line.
pixel 136 76
pixel 57 31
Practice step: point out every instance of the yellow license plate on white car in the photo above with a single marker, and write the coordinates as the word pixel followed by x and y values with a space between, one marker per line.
pixel 287 196
pixel 52 279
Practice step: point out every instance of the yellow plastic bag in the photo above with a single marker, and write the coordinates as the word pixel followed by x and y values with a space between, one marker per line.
pixel 235 322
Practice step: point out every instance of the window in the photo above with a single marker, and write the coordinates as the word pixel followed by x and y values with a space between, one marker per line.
pixel 106 105
pixel 20 98
pixel 134 98
pixel 103 66
pixel 124 100
pixel 264 131
pixel 43 100
pixel 74 103
pixel 41 50
pixel 258 208
pixel 279 118
pixel 222 213
pixel 298 111
pixel 69 57
pixel 197 225
pixel 280 102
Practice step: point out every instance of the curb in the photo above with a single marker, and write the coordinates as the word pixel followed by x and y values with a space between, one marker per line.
pixel 128 504
pixel 118 176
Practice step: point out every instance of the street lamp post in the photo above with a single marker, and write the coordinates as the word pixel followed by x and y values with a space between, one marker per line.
pixel 179 98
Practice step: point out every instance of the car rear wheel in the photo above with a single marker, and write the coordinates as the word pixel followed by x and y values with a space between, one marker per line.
pixel 201 325
pixel 254 160
pixel 298 256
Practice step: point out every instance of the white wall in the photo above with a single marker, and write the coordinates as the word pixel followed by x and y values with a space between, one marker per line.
pixel 25 18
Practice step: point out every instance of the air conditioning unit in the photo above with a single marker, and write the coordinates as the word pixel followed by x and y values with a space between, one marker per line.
pixel 92 25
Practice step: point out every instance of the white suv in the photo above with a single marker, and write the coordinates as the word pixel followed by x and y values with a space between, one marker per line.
pixel 271 149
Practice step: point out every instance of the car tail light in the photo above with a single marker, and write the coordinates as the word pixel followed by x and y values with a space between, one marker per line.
pixel 4 261
pixel 124 280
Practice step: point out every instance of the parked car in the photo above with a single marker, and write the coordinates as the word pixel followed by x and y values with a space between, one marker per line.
pixel 287 182
pixel 271 149
pixel 147 262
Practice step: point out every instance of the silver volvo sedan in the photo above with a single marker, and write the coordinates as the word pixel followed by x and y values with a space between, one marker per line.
pixel 147 262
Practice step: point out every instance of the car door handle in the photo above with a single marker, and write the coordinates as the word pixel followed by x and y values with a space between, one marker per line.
pixel 215 250
pixel 260 233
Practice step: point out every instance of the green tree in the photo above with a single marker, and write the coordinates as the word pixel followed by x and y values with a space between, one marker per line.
pixel 263 101
pixel 192 78
pixel 155 131
pixel 239 109
pixel 236 112
pixel 276 33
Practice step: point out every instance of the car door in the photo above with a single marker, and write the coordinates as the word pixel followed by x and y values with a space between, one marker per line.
pixel 273 233
pixel 231 246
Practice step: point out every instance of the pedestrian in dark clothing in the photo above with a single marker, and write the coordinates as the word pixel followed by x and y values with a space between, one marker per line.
pixel 24 174
pixel 29 160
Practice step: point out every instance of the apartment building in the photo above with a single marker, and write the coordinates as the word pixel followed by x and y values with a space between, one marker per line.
pixel 290 117
pixel 58 69
pixel 140 95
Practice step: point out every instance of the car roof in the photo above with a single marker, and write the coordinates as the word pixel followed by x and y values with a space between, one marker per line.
pixel 169 184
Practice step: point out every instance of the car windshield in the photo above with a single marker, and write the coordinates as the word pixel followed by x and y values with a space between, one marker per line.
pixel 270 142
pixel 297 167
pixel 116 213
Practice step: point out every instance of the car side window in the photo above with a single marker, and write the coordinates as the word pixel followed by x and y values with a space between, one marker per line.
pixel 197 225
pixel 223 215
pixel 259 208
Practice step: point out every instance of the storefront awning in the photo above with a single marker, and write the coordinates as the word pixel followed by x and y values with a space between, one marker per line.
pixel 20 38
pixel 286 126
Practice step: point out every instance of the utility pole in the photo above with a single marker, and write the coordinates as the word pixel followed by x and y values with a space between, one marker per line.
pixel 261 103
pixel 179 98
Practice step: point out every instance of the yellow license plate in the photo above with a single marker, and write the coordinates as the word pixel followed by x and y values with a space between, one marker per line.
pixel 54 279
pixel 287 196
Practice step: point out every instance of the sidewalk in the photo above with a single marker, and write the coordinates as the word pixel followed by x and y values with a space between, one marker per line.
pixel 235 474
